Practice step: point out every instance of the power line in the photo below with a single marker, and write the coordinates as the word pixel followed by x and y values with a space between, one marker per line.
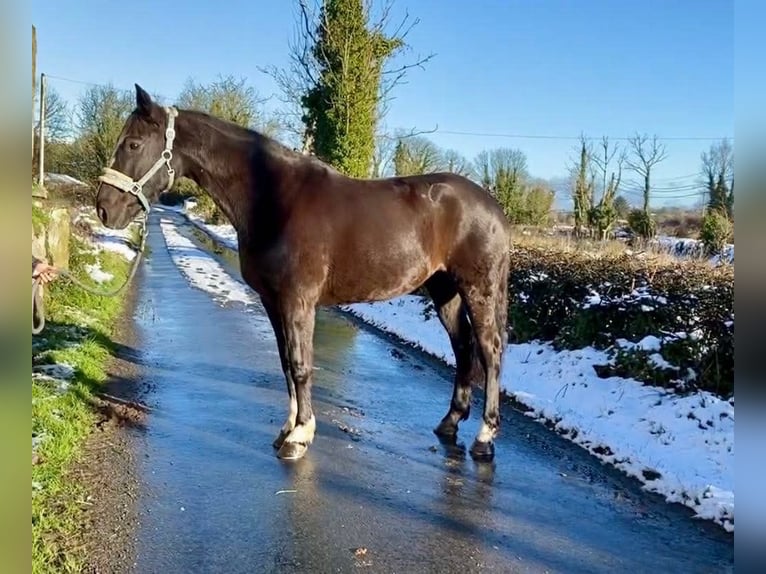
pixel 637 187
pixel 97 85
pixel 576 138
pixel 456 132
pixel 700 193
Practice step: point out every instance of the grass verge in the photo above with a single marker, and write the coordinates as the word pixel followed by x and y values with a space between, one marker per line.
pixel 72 351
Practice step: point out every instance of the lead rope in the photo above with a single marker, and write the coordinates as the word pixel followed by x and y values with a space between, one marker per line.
pixel 38 308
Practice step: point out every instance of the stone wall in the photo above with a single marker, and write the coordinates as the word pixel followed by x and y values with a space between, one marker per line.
pixel 51 241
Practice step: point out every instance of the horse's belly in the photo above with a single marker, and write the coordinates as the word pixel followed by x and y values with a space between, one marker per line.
pixel 377 278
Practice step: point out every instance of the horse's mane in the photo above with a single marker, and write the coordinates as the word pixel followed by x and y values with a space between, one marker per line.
pixel 266 143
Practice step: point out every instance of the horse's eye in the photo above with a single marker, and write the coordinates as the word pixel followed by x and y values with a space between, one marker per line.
pixel 133 145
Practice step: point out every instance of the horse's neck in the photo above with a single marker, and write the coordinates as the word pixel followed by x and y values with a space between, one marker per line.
pixel 220 165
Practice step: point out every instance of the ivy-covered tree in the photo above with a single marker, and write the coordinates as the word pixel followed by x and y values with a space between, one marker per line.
pixel 503 172
pixel 339 78
pixel 341 108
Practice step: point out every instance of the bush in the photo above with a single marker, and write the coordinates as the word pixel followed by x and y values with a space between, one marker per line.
pixel 641 223
pixel 205 208
pixel 613 302
pixel 717 231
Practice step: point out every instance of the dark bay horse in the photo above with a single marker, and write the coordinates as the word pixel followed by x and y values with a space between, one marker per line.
pixel 310 236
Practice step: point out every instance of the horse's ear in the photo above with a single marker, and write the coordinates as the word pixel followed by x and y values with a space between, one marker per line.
pixel 144 102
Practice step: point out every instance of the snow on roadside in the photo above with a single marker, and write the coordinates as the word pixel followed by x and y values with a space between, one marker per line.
pixel 97 274
pixel 684 247
pixel 105 239
pixel 201 269
pixel 57 375
pixel 225 233
pixel 681 447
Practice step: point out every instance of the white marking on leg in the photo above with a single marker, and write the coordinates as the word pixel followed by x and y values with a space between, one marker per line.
pixel 486 433
pixel 303 433
pixel 290 422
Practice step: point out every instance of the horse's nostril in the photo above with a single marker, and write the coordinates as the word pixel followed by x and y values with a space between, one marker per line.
pixel 102 214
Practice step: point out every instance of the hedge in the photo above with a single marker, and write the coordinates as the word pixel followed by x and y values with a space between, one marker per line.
pixel 665 323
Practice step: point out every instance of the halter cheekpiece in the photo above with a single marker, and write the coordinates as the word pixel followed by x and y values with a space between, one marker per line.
pixel 127 184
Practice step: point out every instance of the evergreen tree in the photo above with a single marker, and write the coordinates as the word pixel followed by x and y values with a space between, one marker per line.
pixel 342 106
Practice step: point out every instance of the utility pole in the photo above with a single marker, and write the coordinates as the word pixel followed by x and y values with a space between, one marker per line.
pixel 41 136
pixel 34 82
pixel 38 192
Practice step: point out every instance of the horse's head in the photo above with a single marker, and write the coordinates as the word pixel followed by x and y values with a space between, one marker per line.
pixel 140 168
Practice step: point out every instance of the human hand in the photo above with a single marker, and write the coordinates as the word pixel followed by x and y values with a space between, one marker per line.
pixel 45 272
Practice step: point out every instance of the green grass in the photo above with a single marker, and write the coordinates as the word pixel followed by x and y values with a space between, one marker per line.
pixel 78 330
pixel 39 218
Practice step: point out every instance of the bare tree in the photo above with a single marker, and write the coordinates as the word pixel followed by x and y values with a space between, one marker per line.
pixel 417 155
pixel 605 162
pixel 383 156
pixel 718 172
pixel 645 154
pixel 231 99
pixel 101 113
pixel 455 162
pixel 58 117
pixel 385 147
pixel 603 215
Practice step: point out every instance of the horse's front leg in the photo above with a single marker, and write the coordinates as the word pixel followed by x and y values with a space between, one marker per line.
pixel 298 321
pixel 276 323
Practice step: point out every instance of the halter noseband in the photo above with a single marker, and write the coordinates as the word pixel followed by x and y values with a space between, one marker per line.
pixel 127 184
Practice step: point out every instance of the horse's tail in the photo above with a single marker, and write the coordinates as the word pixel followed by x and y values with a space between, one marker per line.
pixel 501 301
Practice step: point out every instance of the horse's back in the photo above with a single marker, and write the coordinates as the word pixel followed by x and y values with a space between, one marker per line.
pixel 385 237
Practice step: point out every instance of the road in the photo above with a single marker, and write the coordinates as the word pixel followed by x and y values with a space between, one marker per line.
pixel 376 492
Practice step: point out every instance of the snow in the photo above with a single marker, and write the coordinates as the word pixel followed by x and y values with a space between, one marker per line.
pixel 98 274
pixel 61 371
pixel 639 429
pixel 57 375
pixel 684 247
pixel 224 234
pixel 105 239
pixel 63 179
pixel 201 269
pixel 681 447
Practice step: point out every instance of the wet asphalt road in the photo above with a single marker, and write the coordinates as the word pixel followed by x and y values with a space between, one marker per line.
pixel 214 498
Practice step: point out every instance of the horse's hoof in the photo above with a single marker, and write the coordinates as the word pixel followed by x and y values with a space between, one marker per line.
pixel 482 451
pixel 279 441
pixel 292 450
pixel 446 429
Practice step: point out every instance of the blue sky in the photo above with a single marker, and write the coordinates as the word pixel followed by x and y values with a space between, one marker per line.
pixel 550 68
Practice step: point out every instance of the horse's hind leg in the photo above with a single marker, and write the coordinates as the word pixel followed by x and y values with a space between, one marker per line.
pixel 486 299
pixel 453 316
pixel 276 323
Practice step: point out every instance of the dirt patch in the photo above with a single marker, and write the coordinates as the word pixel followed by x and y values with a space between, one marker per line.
pixel 108 469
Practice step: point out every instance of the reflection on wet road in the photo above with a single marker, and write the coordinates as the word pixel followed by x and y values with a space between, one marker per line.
pixel 376 491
